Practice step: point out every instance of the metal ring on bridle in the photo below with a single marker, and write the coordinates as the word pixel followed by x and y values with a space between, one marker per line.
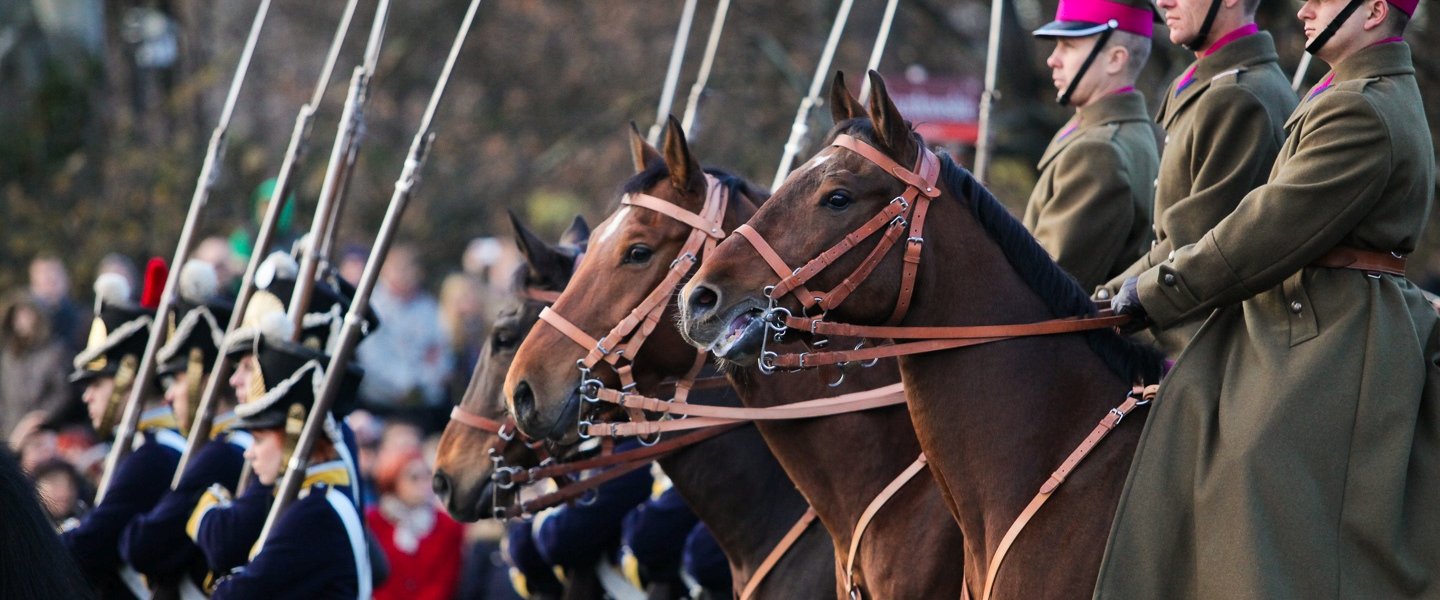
pixel 504 477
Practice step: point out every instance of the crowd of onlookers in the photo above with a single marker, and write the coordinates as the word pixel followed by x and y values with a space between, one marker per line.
pixel 416 365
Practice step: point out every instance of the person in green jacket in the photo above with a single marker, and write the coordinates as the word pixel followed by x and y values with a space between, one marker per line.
pixel 1095 177
pixel 1294 449
pixel 1224 123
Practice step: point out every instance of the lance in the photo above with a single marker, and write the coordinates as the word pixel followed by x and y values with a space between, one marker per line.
pixel 711 45
pixel 672 73
pixel 801 126
pixel 294 153
pixel 350 332
pixel 1300 72
pixel 342 155
pixel 205 184
pixel 984 144
pixel 879 50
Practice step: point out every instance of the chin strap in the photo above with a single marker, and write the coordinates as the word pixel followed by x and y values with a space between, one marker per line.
pixel 1064 98
pixel 1329 31
pixel 1197 43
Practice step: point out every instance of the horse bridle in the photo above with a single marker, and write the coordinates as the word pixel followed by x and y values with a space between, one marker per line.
pixel 619 346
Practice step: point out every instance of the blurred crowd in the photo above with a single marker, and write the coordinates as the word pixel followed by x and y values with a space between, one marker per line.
pixel 416 366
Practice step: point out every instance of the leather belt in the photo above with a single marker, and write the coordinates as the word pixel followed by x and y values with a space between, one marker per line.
pixel 1342 257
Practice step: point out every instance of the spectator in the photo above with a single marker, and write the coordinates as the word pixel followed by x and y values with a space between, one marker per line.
pixel 422 543
pixel 33 445
pixel 50 289
pixel 462 310
pixel 121 265
pixel 216 251
pixel 352 263
pixel 32 365
pixel 405 361
pixel 62 490
pixel 242 239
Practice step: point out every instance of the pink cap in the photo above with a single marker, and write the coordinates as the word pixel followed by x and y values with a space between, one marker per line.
pixel 1405 6
pixel 1078 18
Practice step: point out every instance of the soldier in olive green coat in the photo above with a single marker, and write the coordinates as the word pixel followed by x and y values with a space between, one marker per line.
pixel 1095 178
pixel 1294 450
pixel 1223 119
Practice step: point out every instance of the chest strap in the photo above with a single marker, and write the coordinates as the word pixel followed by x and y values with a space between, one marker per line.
pixel 1342 257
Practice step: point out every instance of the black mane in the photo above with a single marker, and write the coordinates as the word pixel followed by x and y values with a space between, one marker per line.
pixel 656 170
pixel 1062 295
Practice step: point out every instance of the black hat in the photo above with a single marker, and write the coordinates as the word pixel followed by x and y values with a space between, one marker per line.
pixel 291 375
pixel 275 284
pixel 201 321
pixel 121 329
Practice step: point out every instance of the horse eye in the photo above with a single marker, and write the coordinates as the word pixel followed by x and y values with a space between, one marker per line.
pixel 838 201
pixel 638 254
pixel 503 338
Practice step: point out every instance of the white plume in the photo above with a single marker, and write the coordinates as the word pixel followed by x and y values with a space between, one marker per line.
pixel 278 264
pixel 277 327
pixel 111 288
pixel 198 281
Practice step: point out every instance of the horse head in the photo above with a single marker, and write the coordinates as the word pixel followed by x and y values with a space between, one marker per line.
pixel 466 459
pixel 614 329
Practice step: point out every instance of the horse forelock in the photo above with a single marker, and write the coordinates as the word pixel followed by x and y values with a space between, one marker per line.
pixel 1130 360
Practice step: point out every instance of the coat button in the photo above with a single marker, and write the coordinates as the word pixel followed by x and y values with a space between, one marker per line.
pixel 1296 307
pixel 1168 278
pixel 1171 256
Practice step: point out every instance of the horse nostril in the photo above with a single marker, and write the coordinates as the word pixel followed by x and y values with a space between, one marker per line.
pixel 524 400
pixel 441 484
pixel 703 300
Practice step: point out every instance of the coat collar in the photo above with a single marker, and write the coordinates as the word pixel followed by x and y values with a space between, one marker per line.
pixel 1238 55
pixel 1380 60
pixel 1113 108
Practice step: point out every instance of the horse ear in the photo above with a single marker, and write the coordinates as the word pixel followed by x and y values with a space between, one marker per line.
pixel 641 152
pixel 577 234
pixel 684 169
pixel 891 129
pixel 540 259
pixel 843 106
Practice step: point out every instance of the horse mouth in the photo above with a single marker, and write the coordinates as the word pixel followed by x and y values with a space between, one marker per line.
pixel 740 339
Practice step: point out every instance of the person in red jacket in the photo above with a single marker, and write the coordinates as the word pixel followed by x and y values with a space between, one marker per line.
pixel 422 542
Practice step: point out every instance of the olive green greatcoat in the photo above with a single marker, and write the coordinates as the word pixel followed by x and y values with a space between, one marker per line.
pixel 1095 183
pixel 1223 125
pixel 1294 449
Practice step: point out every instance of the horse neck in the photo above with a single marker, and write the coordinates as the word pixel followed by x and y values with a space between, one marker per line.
pixel 840 463
pixel 1000 416
pixel 735 486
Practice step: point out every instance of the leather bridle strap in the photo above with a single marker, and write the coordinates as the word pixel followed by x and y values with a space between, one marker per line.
pixel 482 423
pixel 1136 397
pixel 702 416
pixel 933 339
pixel 644 454
pixel 777 553
pixel 870 511
pixel 542 296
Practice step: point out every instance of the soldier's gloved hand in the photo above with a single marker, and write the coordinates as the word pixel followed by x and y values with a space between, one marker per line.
pixel 1127 302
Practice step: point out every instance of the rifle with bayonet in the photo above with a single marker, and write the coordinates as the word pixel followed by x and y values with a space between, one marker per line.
pixel 205 184
pixel 344 348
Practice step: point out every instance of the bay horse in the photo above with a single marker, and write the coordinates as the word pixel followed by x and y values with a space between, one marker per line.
pixel 34 564
pixel 463 471
pixel 732 482
pixel 994 418
pixel 840 488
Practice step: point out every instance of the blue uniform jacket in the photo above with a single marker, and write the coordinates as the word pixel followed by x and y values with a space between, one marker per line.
pixel 654 536
pixel 705 562
pixel 137 484
pixel 529 573
pixel 578 535
pixel 156 543
pixel 316 550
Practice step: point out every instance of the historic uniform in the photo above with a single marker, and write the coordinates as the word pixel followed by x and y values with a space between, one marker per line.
pixel 1224 123
pixel 317 548
pixel 156 542
pixel 117 339
pixel 1291 452
pixel 1091 207
pixel 586 535
pixel 652 536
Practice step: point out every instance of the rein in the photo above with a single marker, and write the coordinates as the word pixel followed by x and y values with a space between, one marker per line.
pixel 920 189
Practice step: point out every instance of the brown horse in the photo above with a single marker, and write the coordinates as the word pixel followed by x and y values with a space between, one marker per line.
pixel 838 487
pixel 994 419
pixel 462 472
pixel 732 482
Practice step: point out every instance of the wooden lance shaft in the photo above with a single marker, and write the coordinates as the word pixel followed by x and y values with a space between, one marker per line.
pixel 711 45
pixel 205 184
pixel 801 126
pixel 984 145
pixel 672 73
